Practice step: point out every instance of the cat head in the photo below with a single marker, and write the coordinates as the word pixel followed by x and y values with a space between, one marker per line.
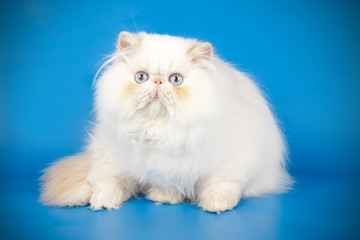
pixel 158 77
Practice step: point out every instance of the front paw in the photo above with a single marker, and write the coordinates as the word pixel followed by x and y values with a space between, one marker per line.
pixel 159 195
pixel 218 199
pixel 108 200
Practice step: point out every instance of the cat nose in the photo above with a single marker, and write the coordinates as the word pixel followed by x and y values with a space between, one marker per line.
pixel 158 81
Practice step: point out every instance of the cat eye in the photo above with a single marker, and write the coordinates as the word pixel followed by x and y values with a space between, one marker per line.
pixel 176 79
pixel 141 77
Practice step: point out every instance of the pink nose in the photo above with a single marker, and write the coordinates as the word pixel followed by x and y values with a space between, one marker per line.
pixel 158 81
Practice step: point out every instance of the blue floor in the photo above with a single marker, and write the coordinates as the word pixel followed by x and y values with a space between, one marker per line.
pixel 320 207
pixel 305 55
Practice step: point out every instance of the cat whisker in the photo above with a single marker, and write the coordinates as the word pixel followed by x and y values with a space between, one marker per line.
pixel 169 97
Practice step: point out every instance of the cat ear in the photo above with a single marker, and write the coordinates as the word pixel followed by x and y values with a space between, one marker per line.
pixel 201 51
pixel 127 41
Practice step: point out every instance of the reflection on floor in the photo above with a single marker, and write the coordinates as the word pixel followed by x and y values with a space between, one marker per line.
pixel 320 207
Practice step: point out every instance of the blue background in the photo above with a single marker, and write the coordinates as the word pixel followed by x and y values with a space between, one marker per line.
pixel 304 54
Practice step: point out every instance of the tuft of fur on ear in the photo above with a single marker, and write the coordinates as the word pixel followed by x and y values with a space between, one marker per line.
pixel 201 51
pixel 127 41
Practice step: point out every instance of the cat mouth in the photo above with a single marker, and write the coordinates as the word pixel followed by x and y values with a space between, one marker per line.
pixel 156 96
pixel 156 100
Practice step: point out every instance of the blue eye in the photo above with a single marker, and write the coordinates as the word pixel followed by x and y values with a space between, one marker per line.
pixel 141 77
pixel 176 79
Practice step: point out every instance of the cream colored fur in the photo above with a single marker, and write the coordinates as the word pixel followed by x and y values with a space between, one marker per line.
pixel 211 140
pixel 65 182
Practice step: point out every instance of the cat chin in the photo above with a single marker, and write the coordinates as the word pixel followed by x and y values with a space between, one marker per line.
pixel 155 108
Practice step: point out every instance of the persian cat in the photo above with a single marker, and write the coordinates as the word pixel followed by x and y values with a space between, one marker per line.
pixel 176 123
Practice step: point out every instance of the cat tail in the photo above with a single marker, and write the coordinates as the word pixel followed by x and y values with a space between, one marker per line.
pixel 64 183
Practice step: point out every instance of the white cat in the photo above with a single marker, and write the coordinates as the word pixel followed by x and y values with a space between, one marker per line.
pixel 176 123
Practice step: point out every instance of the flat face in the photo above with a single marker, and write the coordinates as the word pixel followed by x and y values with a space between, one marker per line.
pixel 158 76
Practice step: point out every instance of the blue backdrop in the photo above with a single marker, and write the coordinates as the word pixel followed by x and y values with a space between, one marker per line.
pixel 304 54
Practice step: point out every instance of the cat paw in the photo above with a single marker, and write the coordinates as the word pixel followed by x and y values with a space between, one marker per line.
pixel 159 195
pixel 218 200
pixel 108 200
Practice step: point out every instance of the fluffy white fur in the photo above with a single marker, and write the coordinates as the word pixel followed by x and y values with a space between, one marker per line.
pixel 211 140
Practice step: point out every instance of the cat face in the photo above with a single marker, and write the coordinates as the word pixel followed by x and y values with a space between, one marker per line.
pixel 158 76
